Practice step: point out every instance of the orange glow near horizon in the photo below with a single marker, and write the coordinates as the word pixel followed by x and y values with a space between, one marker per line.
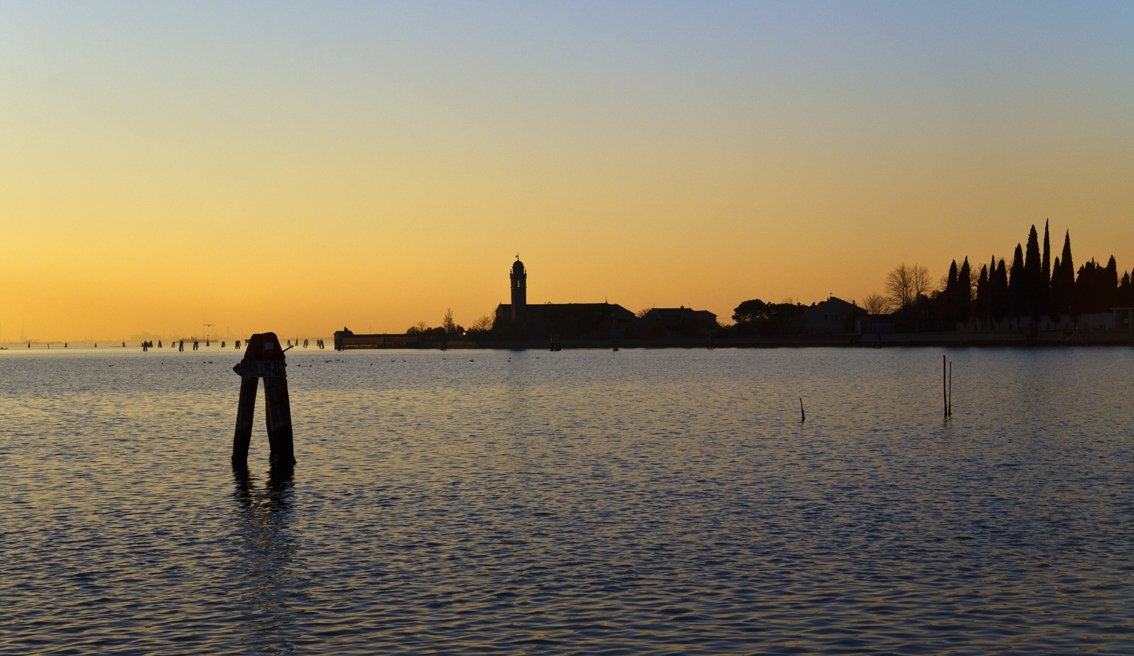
pixel 299 173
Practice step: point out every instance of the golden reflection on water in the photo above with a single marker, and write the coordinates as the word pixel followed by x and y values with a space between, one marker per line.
pixel 623 502
pixel 265 549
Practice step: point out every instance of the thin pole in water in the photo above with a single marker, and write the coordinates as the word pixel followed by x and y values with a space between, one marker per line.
pixel 944 387
pixel 802 414
pixel 950 389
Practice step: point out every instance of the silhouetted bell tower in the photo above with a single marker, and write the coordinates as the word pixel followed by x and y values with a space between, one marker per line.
pixel 519 291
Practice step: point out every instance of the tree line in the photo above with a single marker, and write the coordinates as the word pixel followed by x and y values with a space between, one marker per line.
pixel 1032 285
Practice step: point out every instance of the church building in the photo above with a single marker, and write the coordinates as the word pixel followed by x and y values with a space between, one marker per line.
pixel 569 320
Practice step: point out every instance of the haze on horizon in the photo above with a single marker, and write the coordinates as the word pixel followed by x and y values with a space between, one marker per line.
pixel 298 167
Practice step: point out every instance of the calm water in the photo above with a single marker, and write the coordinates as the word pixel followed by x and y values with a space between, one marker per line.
pixel 574 502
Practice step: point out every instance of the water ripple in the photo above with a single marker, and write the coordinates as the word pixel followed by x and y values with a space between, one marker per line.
pixel 577 502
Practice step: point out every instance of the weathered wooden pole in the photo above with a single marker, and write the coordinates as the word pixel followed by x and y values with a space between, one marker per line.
pixel 264 359
pixel 945 388
pixel 802 414
pixel 950 389
pixel 245 409
pixel 278 407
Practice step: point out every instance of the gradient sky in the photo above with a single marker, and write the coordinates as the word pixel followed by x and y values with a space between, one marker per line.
pixel 299 167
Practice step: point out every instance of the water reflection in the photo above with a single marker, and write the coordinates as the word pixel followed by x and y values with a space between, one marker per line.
pixel 275 496
pixel 591 502
pixel 266 584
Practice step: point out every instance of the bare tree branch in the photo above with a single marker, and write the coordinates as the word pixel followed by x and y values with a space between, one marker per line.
pixel 876 304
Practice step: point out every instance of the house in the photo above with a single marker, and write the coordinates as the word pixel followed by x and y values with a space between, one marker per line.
pixel 833 315
pixel 875 324
pixel 682 321
pixel 1123 318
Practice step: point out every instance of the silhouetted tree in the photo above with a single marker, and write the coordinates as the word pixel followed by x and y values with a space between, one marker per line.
pixel 1108 287
pixel 1126 291
pixel 756 316
pixel 906 283
pixel 1096 287
pixel 483 323
pixel 980 303
pixel 1062 282
pixel 1045 273
pixel 999 294
pixel 949 300
pixel 1018 285
pixel 990 292
pixel 1053 301
pixel 876 304
pixel 1033 270
pixel 963 295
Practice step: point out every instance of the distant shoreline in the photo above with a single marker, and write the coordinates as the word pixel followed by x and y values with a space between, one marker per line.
pixel 1046 338
pixel 954 339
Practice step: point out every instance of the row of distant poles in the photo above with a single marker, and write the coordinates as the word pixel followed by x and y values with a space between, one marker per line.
pixel 196 344
pixel 180 345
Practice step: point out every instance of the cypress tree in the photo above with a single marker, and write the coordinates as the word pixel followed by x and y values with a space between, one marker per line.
pixel 1017 285
pixel 990 306
pixel 1108 286
pixel 1033 270
pixel 1045 280
pixel 1083 301
pixel 1066 280
pixel 964 293
pixel 1000 292
pixel 1055 295
pixel 980 309
pixel 948 315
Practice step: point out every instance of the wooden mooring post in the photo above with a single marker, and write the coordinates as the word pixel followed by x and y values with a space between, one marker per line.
pixel 947 386
pixel 264 358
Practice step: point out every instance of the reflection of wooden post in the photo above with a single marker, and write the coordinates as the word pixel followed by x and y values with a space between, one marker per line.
pixel 264 359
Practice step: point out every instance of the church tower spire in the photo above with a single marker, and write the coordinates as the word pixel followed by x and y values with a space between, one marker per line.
pixel 519 277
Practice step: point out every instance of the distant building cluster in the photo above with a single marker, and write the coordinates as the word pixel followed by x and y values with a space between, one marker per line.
pixel 599 321
pixel 1035 293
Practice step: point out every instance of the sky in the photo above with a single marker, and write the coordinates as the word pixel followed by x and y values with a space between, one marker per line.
pixel 301 167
